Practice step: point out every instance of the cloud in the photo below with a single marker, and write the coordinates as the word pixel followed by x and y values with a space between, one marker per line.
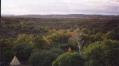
pixel 60 7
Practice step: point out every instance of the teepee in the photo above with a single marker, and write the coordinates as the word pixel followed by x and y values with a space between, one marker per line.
pixel 15 61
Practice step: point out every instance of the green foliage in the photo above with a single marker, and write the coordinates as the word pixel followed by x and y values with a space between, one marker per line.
pixel 114 34
pixel 6 51
pixel 104 53
pixel 48 38
pixel 23 51
pixel 7 54
pixel 59 36
pixel 24 39
pixel 91 36
pixel 6 42
pixel 44 57
pixel 41 42
pixel 69 59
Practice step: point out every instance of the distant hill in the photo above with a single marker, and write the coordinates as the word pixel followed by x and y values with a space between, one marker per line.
pixel 82 16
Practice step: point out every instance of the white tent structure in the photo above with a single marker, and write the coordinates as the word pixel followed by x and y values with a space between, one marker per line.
pixel 14 62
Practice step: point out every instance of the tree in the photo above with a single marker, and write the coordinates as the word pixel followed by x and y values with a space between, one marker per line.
pixel 6 51
pixel 24 39
pixel 23 52
pixel 105 53
pixel 41 42
pixel 69 59
pixel 44 57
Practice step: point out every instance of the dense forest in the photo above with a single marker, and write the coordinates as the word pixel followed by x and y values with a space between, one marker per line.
pixel 60 41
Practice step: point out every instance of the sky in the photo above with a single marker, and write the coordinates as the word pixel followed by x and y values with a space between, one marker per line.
pixel 44 7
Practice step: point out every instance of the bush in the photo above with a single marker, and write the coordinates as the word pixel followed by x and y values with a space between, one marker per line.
pixel 104 53
pixel 44 57
pixel 69 59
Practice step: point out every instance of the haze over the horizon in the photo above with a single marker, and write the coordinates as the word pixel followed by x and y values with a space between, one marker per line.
pixel 25 7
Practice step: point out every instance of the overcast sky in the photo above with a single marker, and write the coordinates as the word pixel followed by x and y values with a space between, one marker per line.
pixel 21 7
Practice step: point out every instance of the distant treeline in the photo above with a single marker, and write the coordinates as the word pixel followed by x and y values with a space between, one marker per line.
pixel 15 25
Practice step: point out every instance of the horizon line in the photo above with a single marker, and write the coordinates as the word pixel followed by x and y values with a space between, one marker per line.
pixel 57 14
